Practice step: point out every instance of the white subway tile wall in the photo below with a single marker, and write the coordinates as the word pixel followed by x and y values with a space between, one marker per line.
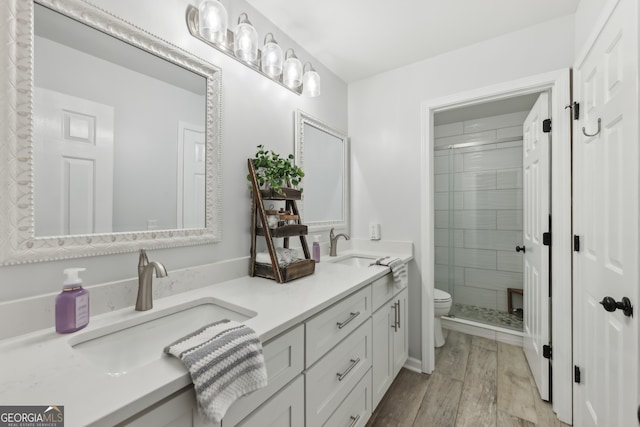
pixel 478 209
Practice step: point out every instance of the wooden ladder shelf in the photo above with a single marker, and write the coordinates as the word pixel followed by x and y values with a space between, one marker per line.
pixel 296 269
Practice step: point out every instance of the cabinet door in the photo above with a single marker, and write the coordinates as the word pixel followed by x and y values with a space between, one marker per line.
pixel 176 411
pixel 401 335
pixel 285 409
pixel 382 354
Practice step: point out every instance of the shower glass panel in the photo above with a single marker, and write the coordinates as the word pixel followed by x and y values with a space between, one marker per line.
pixel 478 224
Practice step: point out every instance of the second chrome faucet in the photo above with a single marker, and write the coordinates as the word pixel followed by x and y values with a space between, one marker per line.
pixel 145 281
pixel 333 242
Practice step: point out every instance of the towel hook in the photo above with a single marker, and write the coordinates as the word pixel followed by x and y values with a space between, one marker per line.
pixel 597 132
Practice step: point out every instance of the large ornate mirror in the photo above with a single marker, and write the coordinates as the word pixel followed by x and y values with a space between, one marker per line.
pixel 323 154
pixel 113 137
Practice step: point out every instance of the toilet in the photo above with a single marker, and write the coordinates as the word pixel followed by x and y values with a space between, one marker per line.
pixel 442 303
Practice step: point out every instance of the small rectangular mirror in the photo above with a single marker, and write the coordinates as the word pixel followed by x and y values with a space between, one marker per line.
pixel 323 154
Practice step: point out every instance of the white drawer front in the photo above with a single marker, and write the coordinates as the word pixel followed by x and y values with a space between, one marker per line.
pixel 328 328
pixel 382 290
pixel 285 409
pixel 284 357
pixel 355 411
pixel 330 380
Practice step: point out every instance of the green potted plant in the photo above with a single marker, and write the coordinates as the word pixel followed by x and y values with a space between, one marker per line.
pixel 275 173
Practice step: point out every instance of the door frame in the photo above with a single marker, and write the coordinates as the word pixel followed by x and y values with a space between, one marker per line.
pixel 559 84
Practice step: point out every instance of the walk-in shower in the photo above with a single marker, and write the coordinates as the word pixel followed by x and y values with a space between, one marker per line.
pixel 478 217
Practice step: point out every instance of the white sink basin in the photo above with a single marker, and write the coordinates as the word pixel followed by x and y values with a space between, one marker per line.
pixel 136 342
pixel 357 261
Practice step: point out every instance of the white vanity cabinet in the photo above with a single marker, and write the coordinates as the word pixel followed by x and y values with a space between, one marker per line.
pixel 331 369
pixel 390 334
pixel 284 359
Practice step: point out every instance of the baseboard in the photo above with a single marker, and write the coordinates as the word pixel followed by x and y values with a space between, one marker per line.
pixel 413 364
pixel 504 335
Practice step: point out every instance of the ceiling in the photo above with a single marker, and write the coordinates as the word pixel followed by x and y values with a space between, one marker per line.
pixel 486 109
pixel 360 38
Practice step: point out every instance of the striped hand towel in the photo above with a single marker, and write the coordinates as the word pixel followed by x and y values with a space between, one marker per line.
pixel 398 269
pixel 225 361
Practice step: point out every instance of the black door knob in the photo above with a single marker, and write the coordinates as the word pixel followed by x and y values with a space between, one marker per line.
pixel 520 249
pixel 612 305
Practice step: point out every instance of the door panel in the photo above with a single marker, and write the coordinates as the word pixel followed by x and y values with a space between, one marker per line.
pixel 536 258
pixel 73 164
pixel 606 219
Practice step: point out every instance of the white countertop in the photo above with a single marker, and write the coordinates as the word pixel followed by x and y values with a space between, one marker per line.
pixel 42 368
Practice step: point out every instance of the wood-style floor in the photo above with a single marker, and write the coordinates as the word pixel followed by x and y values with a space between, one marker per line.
pixel 477 383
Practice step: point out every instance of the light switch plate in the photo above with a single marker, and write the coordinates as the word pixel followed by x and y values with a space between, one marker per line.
pixel 374 231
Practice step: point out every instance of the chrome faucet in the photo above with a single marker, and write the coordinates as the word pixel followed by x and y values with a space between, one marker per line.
pixel 333 240
pixel 145 281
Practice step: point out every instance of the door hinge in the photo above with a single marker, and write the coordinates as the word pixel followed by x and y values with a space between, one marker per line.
pixel 576 243
pixel 546 351
pixel 576 111
pixel 576 374
pixel 546 239
pixel 546 125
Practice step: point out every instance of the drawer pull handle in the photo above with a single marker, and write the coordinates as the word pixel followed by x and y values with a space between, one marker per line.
pixel 354 420
pixel 344 374
pixel 398 313
pixel 395 317
pixel 346 322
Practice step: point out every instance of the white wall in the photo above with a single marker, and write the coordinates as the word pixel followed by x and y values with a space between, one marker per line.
pixel 586 17
pixel 385 131
pixel 255 111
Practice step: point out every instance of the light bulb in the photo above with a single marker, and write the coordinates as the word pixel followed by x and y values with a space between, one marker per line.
pixel 311 81
pixel 271 57
pixel 292 72
pixel 246 40
pixel 212 21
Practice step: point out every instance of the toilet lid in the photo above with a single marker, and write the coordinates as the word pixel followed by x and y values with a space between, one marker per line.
pixel 439 295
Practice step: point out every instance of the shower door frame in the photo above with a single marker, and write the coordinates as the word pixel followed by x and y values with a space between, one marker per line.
pixel 559 84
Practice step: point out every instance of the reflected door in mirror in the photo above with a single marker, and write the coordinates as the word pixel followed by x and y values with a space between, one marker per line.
pixel 73 156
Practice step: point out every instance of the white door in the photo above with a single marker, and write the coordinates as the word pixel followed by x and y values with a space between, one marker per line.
pixel 73 165
pixel 535 151
pixel 191 176
pixel 606 221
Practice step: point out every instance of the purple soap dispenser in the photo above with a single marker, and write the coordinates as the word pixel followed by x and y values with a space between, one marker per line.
pixel 72 304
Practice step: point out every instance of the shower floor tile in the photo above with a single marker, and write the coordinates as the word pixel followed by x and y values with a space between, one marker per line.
pixel 487 316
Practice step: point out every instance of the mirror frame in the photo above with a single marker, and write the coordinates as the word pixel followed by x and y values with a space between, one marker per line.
pixel 301 119
pixel 18 243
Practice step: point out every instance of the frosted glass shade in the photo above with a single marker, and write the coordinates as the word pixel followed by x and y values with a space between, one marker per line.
pixel 213 21
pixel 311 82
pixel 292 70
pixel 245 40
pixel 272 57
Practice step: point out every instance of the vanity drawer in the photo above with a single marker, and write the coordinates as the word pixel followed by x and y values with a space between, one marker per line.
pixel 284 357
pixel 330 380
pixel 382 290
pixel 329 327
pixel 355 411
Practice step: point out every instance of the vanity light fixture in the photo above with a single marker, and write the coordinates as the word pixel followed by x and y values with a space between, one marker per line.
pixel 246 40
pixel 206 22
pixel 292 72
pixel 213 21
pixel 311 81
pixel 272 57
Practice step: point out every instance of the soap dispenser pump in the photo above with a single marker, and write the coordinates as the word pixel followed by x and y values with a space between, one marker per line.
pixel 72 304
pixel 316 248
